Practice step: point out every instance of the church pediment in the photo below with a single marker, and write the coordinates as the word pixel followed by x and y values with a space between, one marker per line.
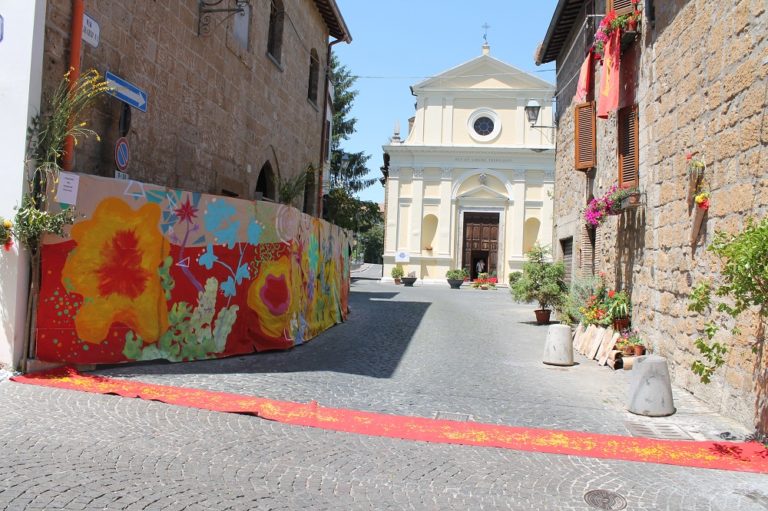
pixel 481 192
pixel 484 72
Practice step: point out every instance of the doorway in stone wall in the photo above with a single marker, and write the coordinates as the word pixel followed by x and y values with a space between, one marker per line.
pixel 481 242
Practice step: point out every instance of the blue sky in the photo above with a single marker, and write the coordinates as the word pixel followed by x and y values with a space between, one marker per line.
pixel 398 43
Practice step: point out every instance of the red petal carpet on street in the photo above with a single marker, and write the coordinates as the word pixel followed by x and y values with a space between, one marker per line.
pixel 736 456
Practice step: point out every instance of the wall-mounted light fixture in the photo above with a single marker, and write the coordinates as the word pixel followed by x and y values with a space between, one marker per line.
pixel 532 109
pixel 207 8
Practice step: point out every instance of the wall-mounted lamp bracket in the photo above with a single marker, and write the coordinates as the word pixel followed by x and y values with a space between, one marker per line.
pixel 207 8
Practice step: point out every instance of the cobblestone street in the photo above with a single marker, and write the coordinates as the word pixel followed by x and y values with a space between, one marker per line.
pixel 425 351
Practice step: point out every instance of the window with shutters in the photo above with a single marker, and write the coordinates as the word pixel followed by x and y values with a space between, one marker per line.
pixel 588 239
pixel 628 146
pixel 620 6
pixel 566 245
pixel 584 127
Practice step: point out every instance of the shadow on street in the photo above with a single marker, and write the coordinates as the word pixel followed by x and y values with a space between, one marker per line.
pixel 370 343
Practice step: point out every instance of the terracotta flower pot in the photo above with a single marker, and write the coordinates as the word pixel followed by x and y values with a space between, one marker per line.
pixel 620 324
pixel 639 349
pixel 542 316
pixel 628 350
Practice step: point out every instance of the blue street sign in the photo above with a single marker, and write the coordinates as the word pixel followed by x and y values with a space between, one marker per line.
pixel 126 92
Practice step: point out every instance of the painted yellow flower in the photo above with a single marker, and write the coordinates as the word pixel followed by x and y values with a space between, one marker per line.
pixel 115 267
pixel 275 295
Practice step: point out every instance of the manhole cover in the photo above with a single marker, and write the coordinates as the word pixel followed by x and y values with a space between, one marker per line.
pixel 660 430
pixel 605 499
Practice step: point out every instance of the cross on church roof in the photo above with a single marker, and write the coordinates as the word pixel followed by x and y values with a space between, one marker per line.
pixel 485 26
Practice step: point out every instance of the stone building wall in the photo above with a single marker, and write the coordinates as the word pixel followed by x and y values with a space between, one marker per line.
pixel 700 84
pixel 216 109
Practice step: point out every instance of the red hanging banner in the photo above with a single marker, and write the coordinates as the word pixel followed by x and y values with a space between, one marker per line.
pixel 585 79
pixel 608 99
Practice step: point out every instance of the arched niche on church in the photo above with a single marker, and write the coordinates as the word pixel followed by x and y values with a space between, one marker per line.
pixel 429 232
pixel 530 233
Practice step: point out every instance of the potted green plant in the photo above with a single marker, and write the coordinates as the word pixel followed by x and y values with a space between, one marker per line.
pixel 456 277
pixel 619 309
pixel 542 282
pixel 397 273
pixel 410 279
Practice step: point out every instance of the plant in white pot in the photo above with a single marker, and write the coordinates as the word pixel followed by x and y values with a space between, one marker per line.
pixel 541 282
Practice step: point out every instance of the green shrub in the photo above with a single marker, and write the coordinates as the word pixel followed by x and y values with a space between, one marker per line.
pixel 541 281
pixel 397 272
pixel 744 286
pixel 458 274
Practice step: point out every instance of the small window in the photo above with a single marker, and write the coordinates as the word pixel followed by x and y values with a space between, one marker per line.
pixel 241 26
pixel 628 147
pixel 584 135
pixel 314 69
pixel 275 36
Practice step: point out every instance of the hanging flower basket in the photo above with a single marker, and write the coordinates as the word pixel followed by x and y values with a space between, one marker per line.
pixel 630 201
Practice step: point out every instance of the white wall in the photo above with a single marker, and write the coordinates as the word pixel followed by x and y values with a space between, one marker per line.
pixel 21 58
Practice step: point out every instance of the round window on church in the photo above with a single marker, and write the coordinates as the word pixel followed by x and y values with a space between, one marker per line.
pixel 484 126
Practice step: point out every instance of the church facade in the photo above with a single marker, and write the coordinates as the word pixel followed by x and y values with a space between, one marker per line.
pixel 473 180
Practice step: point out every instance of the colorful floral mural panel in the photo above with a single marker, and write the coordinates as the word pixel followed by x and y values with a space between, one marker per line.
pixel 151 273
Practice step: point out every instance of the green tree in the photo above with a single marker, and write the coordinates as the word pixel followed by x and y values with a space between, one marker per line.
pixel 372 243
pixel 351 213
pixel 348 170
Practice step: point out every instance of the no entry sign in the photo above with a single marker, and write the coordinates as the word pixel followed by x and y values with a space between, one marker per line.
pixel 122 154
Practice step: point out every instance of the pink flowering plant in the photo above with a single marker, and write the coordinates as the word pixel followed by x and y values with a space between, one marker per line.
pixel 610 23
pixel 599 208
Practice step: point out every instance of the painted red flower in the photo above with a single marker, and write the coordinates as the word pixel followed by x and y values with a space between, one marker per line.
pixel 186 212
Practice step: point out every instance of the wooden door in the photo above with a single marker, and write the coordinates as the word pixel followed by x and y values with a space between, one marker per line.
pixel 481 239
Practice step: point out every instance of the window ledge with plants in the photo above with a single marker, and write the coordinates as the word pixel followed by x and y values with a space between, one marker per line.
pixel 612 203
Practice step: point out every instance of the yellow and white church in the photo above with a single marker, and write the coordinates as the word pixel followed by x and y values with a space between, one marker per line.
pixel 473 179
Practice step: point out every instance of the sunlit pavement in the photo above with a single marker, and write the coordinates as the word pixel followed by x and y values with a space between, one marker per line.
pixel 422 351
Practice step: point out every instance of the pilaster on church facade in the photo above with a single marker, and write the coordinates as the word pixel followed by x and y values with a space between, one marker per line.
pixel 473 178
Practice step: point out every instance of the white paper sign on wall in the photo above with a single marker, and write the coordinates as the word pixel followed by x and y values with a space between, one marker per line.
pixel 402 257
pixel 66 193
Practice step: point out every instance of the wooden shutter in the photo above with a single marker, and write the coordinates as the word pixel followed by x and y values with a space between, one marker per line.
pixel 584 140
pixel 587 252
pixel 628 147
pixel 620 6
pixel 567 246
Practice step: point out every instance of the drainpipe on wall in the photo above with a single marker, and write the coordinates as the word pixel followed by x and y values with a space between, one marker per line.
pixel 319 207
pixel 75 44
